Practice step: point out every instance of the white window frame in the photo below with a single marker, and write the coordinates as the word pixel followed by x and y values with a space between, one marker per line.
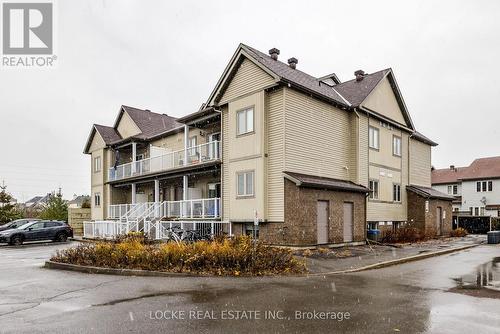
pixel 97 200
pixel 490 183
pixel 478 183
pixel 455 189
pixel 396 196
pixel 246 192
pixel 396 146
pixel 374 140
pixel 97 164
pixel 371 184
pixel 450 189
pixel 245 128
pixel 484 186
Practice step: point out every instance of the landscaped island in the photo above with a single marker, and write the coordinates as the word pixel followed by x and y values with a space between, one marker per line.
pixel 224 257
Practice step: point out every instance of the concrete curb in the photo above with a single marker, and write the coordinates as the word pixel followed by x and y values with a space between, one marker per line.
pixel 113 271
pixel 397 261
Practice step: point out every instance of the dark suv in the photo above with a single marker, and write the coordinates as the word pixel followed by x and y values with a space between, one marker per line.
pixel 36 231
pixel 17 223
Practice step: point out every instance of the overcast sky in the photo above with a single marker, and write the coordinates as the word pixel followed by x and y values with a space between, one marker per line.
pixel 167 57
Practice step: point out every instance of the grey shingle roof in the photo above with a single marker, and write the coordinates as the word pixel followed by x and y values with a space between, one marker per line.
pixel 356 91
pixel 295 76
pixel 108 134
pixel 429 192
pixel 151 123
pixel 312 181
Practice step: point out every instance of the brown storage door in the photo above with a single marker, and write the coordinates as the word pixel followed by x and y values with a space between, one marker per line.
pixel 348 222
pixel 322 222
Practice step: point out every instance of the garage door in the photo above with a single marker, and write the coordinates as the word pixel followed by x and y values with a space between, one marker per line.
pixel 322 221
pixel 348 222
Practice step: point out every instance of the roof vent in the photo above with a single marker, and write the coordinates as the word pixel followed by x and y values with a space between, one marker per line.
pixel 274 53
pixel 147 110
pixel 360 74
pixel 292 62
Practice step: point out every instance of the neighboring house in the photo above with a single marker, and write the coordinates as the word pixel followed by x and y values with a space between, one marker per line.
pixel 37 202
pixel 476 187
pixel 78 200
pixel 313 159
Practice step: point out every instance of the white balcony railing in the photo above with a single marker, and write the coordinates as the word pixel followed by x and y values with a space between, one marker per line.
pixel 205 208
pixel 195 155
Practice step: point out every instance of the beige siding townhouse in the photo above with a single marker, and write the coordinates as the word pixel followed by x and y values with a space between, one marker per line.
pixel 312 160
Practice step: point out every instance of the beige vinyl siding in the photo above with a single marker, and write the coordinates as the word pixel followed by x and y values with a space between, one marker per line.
pixel 317 140
pixel 379 211
pixel 363 150
pixel 420 163
pixel 249 78
pixel 127 127
pixel 404 172
pixel 383 101
pixel 97 149
pixel 275 150
pixel 225 182
pixel 354 152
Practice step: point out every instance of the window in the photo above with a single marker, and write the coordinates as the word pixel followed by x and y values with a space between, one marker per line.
pixel 478 186
pixel 244 120
pixel 373 137
pixel 52 224
pixel 455 189
pixel 484 185
pixel 450 189
pixel 490 185
pixel 36 226
pixel 245 183
pixel 139 157
pixel 396 192
pixel 97 199
pixel 97 164
pixel 476 211
pixel 481 210
pixel 373 189
pixel 252 230
pixel 471 209
pixel 372 225
pixel 396 146
pixel 192 142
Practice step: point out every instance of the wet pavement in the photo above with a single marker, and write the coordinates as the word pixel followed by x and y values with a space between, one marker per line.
pixel 348 258
pixel 416 297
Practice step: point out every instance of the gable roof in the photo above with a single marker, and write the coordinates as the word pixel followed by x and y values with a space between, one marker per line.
pixel 150 124
pixel 481 168
pixel 356 92
pixel 280 71
pixel 429 192
pixel 347 95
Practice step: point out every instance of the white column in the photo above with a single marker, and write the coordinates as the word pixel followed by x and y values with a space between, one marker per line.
pixel 157 190
pixel 185 186
pixel 134 156
pixel 133 193
pixel 186 139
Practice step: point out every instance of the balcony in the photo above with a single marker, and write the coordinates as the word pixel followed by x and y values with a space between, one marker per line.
pixel 196 155
pixel 204 208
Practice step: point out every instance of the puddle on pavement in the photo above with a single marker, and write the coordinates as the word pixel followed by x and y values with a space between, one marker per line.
pixel 484 282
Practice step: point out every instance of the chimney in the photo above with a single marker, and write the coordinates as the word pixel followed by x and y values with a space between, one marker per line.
pixel 452 167
pixel 274 53
pixel 360 74
pixel 292 62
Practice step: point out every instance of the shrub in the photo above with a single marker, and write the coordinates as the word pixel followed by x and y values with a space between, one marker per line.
pixel 458 232
pixel 402 234
pixel 237 256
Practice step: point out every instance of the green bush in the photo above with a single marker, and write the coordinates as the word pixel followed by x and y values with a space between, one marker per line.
pixel 224 256
pixel 459 232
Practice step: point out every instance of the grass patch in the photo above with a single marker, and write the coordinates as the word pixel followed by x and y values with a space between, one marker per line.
pixel 223 257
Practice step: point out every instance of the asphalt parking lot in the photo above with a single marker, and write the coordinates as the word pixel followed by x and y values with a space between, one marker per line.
pixel 412 298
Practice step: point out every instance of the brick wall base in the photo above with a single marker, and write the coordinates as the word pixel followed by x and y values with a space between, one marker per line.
pixel 299 227
pixel 426 222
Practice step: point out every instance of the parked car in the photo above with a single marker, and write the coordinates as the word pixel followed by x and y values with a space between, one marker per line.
pixel 37 231
pixel 17 223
